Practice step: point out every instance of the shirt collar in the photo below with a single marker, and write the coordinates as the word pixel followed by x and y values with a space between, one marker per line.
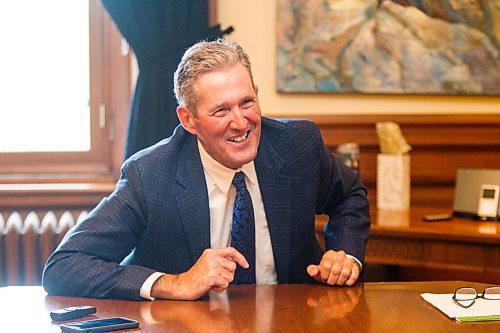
pixel 222 176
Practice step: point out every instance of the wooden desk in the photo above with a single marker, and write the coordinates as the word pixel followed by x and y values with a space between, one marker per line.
pixel 466 248
pixel 371 307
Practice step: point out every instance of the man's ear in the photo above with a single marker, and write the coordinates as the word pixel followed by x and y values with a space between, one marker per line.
pixel 186 118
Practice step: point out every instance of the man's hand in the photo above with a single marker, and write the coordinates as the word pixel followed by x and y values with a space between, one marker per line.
pixel 335 268
pixel 214 271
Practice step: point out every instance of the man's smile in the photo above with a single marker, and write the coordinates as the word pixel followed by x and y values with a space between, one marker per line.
pixel 240 138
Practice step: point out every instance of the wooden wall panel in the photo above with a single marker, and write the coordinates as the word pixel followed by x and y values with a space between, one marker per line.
pixel 440 145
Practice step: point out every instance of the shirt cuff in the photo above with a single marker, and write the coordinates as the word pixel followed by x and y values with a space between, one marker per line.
pixel 146 287
pixel 356 261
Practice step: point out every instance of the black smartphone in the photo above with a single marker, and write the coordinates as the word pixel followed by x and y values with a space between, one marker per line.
pixel 99 325
pixel 73 312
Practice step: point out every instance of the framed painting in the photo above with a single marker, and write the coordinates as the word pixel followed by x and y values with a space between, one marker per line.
pixel 444 47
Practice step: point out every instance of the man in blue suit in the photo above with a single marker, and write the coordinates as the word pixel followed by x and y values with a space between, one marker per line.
pixel 165 232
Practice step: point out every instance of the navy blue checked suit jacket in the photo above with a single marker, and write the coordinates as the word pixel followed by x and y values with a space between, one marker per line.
pixel 157 219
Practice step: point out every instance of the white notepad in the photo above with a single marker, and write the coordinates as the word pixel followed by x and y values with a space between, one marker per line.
pixel 481 310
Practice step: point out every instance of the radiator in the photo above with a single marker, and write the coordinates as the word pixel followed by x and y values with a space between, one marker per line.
pixel 26 243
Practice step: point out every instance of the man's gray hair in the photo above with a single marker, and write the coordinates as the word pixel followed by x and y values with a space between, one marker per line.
pixel 202 58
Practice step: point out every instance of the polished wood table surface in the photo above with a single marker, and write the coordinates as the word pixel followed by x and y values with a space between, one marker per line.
pixel 368 307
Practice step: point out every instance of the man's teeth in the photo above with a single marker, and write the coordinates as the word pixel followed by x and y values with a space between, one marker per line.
pixel 239 138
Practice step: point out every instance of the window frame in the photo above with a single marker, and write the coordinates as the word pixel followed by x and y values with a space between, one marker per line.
pixel 66 176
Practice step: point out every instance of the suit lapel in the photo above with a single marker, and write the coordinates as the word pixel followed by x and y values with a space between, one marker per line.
pixel 277 195
pixel 192 198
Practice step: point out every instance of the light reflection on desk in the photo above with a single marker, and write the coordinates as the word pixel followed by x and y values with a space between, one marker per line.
pixel 217 312
pixel 488 228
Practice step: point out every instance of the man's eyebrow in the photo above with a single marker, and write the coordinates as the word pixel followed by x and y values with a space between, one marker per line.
pixel 249 97
pixel 225 104
pixel 218 106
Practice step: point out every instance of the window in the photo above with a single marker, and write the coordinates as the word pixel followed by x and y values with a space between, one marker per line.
pixel 65 87
pixel 45 76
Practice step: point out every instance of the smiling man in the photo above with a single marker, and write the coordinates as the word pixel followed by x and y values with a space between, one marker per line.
pixel 226 119
pixel 230 197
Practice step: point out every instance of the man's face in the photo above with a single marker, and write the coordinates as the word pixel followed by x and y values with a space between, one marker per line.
pixel 228 124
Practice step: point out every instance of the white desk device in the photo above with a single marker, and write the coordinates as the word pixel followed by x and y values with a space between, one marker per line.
pixel 488 201
pixel 477 194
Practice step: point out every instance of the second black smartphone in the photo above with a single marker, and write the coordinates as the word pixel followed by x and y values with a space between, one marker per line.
pixel 99 325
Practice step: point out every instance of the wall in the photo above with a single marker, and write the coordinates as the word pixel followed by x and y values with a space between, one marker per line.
pixel 452 131
pixel 255 29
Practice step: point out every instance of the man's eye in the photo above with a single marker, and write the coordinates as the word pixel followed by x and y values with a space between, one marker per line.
pixel 220 112
pixel 247 104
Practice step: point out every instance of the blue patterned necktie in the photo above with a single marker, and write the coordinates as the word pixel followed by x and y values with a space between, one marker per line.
pixel 243 230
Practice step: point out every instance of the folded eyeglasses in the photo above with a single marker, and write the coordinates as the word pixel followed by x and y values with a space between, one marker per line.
pixel 466 296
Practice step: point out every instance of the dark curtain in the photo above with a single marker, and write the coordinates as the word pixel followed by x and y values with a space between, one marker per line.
pixel 159 31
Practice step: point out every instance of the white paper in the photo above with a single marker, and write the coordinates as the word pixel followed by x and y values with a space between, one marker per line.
pixel 445 303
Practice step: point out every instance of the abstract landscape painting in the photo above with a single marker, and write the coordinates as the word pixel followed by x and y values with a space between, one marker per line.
pixel 445 47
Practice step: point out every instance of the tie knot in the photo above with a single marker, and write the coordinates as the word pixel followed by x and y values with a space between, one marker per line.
pixel 239 181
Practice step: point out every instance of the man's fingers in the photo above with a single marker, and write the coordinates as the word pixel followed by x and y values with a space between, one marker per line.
pixel 313 272
pixel 325 267
pixel 346 272
pixel 342 272
pixel 354 276
pixel 332 278
pixel 232 254
pixel 330 267
pixel 335 268
pixel 218 289
pixel 220 284
pixel 228 265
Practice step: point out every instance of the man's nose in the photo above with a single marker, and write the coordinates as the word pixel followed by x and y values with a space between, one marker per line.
pixel 238 119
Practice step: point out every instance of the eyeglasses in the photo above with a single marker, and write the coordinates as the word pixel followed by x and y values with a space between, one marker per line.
pixel 466 296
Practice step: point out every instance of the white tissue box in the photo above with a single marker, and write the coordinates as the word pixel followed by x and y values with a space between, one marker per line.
pixel 393 182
